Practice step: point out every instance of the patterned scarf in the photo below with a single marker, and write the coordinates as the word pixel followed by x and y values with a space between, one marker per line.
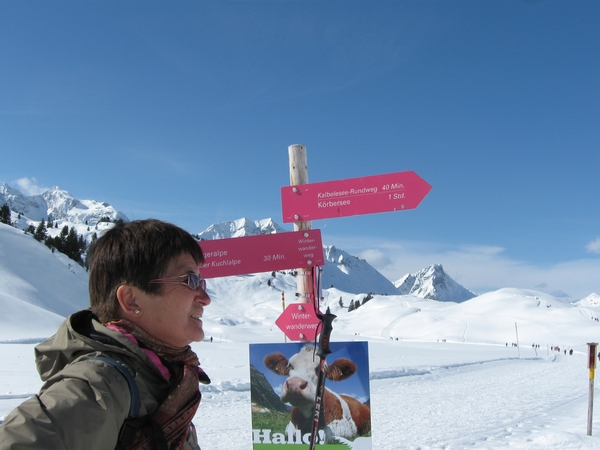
pixel 175 413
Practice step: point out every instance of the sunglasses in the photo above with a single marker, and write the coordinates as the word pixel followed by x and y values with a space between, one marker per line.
pixel 191 280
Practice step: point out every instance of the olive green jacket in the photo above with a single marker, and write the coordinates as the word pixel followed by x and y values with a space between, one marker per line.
pixel 82 404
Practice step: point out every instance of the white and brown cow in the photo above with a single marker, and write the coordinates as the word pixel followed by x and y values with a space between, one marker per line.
pixel 341 415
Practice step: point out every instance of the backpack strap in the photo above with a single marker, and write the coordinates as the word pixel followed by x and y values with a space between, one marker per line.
pixel 133 389
pixel 132 424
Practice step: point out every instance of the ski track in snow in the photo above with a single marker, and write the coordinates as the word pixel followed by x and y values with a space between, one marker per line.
pixel 463 405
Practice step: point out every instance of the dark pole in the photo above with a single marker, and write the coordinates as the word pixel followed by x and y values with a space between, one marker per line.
pixel 324 350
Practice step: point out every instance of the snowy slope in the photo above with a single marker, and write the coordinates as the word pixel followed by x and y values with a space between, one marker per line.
pixel 36 286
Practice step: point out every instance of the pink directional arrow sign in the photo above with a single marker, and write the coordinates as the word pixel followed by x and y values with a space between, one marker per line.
pixel 353 196
pixel 299 322
pixel 262 253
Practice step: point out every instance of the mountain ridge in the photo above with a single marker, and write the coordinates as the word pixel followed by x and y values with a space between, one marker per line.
pixel 240 227
pixel 58 204
pixel 341 270
pixel 39 288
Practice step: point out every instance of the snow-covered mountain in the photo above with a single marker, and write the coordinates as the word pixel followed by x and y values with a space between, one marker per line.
pixel 591 300
pixel 58 204
pixel 240 227
pixel 341 271
pixel 434 284
pixel 351 274
pixel 38 288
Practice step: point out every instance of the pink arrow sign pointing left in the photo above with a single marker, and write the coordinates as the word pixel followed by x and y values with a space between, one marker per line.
pixel 299 322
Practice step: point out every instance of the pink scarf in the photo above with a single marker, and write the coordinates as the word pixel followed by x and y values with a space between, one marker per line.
pixel 176 412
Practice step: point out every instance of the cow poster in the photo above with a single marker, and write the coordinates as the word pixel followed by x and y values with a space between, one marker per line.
pixel 283 379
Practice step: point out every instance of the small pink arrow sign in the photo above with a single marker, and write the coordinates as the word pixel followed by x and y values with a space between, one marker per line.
pixel 299 322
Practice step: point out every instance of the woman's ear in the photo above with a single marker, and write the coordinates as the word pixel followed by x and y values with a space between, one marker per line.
pixel 128 300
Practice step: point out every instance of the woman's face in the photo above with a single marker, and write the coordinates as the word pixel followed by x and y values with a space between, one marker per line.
pixel 174 316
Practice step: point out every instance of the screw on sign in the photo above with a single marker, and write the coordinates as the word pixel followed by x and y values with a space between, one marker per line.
pixel 299 322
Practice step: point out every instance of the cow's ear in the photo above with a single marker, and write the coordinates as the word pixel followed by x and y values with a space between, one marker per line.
pixel 277 363
pixel 341 369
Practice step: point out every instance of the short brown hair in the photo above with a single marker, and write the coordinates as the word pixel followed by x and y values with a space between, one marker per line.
pixel 134 253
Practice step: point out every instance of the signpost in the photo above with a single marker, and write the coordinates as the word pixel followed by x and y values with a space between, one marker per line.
pixel 353 196
pixel 303 202
pixel 262 253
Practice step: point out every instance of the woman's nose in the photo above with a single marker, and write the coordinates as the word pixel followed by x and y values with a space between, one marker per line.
pixel 203 297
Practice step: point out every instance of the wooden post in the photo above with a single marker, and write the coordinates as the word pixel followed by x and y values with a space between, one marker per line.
pixel 283 309
pixel 592 346
pixel 299 175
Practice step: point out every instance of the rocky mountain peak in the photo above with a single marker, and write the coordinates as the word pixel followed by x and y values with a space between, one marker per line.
pixel 435 284
pixel 58 204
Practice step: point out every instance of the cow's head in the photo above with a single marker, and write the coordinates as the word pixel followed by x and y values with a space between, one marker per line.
pixel 302 369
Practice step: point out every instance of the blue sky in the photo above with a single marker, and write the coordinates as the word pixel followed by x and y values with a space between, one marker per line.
pixel 184 111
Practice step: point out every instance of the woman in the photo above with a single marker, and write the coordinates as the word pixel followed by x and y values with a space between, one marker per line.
pixel 147 299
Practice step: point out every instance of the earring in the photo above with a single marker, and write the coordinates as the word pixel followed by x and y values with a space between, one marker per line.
pixel 137 312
